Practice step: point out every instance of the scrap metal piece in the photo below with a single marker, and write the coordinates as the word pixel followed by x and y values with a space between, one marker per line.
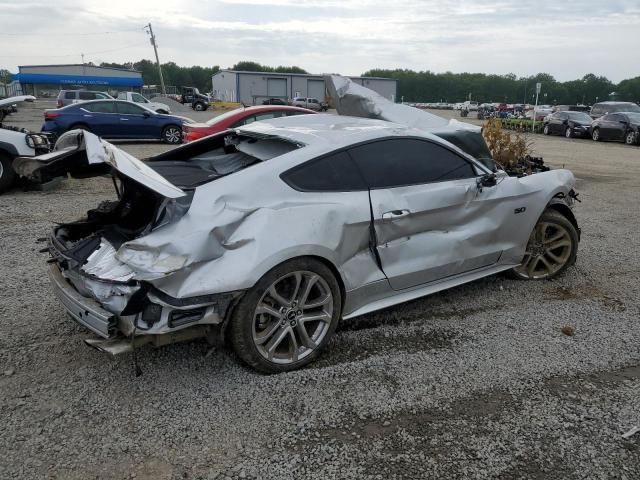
pixel 631 432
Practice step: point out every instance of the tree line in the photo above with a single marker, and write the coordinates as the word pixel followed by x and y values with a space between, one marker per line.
pixel 426 86
pixel 195 76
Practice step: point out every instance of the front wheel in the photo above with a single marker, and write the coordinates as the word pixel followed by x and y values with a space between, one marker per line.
pixel 568 133
pixel 552 247
pixel 630 138
pixel 595 135
pixel 199 107
pixel 163 112
pixel 172 134
pixel 288 317
pixel 545 130
pixel 7 174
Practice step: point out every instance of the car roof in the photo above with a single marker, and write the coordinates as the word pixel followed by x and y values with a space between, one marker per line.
pixel 331 131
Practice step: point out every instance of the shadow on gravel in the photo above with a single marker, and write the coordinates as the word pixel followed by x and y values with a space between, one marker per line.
pixel 345 349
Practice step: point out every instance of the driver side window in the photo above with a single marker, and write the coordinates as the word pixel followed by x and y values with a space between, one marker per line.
pixel 407 161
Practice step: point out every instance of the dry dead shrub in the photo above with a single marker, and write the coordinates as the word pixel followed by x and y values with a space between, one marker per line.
pixel 508 149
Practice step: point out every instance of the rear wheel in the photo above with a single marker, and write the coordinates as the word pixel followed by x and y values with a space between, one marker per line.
pixel 80 126
pixel 172 134
pixel 288 317
pixel 552 247
pixel 7 175
pixel 595 135
pixel 199 107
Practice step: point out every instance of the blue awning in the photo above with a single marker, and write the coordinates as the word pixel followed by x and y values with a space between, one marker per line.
pixel 41 78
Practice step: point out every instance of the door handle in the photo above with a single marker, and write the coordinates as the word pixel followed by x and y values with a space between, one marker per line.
pixel 394 215
pixel 125 119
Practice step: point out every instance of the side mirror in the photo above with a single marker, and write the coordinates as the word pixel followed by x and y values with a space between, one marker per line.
pixel 146 114
pixel 486 181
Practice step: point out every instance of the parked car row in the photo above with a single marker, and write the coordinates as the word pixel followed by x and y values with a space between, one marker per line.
pixel 621 126
pixel 302 102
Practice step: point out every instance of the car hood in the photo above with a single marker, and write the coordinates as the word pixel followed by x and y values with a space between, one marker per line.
pixel 20 98
pixel 83 154
pixel 354 100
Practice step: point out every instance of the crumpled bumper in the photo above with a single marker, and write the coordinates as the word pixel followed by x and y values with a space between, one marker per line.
pixel 83 310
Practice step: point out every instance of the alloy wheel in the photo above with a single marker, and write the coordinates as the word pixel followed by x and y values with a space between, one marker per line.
pixel 172 135
pixel 630 138
pixel 546 130
pixel 567 132
pixel 548 250
pixel 292 317
pixel 595 135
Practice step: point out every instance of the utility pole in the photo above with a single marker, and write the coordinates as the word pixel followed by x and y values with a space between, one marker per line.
pixel 155 49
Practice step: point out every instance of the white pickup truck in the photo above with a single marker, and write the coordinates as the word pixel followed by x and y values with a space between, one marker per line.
pixel 137 98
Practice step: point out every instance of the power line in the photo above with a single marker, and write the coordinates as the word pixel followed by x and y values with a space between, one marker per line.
pixel 84 34
pixel 71 54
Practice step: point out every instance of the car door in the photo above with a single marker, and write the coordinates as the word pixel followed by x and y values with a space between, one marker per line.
pixel 136 122
pixel 619 128
pixel 608 125
pixel 431 220
pixel 101 117
pixel 558 123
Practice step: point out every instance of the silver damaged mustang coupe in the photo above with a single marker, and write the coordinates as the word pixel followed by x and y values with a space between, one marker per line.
pixel 270 234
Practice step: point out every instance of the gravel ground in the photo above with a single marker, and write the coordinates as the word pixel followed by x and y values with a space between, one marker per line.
pixel 476 382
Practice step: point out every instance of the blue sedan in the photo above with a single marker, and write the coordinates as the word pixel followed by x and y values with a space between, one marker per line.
pixel 115 119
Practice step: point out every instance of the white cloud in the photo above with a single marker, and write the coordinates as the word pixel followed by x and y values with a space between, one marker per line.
pixel 494 36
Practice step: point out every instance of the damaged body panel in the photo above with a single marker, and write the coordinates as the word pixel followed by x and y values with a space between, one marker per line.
pixel 298 221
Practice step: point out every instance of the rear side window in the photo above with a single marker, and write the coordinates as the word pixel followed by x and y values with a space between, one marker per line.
pixel 333 173
pixel 405 161
pixel 70 95
pixel 100 107
pixel 86 96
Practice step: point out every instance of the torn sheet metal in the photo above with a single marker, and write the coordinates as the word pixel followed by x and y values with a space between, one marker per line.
pixel 103 264
pixel 77 148
pixel 352 99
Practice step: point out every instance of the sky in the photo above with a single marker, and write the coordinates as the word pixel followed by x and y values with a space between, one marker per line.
pixel 567 39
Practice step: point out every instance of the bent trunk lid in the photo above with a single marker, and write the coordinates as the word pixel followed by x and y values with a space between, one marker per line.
pixel 83 154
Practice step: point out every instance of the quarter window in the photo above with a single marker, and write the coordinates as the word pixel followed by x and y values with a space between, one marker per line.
pixel 398 162
pixel 86 96
pixel 70 95
pixel 333 173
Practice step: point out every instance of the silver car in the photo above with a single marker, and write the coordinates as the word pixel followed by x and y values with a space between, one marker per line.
pixel 271 234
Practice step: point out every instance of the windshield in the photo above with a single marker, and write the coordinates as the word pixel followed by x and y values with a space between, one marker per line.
pixel 628 107
pixel 222 117
pixel 580 117
pixel 634 117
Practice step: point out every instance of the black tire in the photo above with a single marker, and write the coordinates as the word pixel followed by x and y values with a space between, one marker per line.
pixel 7 174
pixel 164 112
pixel 545 130
pixel 241 322
pixel 595 135
pixel 554 218
pixel 172 134
pixel 199 107
pixel 568 133
pixel 80 126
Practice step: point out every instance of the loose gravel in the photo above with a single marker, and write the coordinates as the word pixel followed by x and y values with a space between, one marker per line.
pixel 476 382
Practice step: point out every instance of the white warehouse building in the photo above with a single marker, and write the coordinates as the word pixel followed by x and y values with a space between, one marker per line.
pixel 252 88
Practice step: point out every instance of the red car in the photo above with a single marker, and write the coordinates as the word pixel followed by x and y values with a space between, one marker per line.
pixel 238 117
